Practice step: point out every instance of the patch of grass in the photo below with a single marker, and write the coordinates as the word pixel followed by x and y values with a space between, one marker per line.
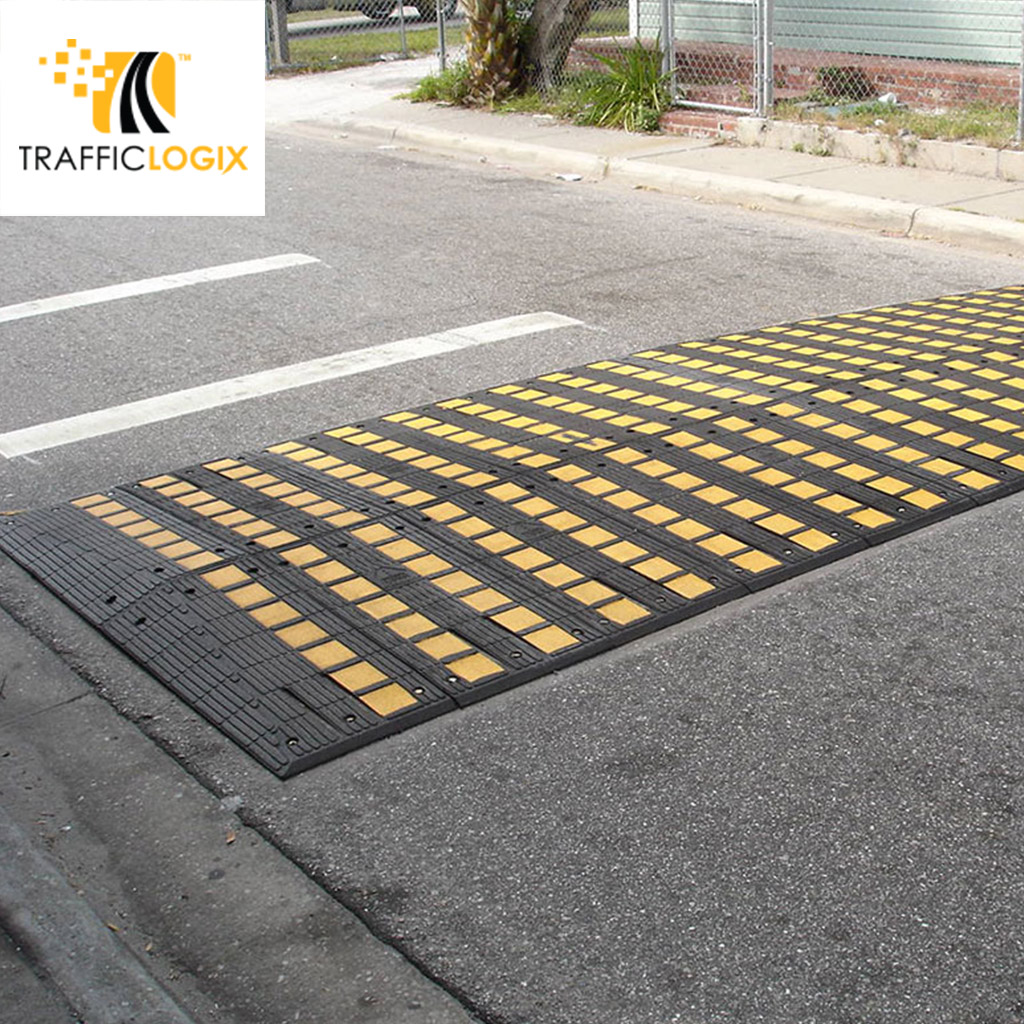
pixel 564 103
pixel 528 102
pixel 610 21
pixel 985 123
pixel 346 49
pixel 448 86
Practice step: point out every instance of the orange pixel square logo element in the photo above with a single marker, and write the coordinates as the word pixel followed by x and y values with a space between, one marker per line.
pixel 129 89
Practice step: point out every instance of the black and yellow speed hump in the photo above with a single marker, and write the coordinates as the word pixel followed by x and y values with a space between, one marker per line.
pixel 338 587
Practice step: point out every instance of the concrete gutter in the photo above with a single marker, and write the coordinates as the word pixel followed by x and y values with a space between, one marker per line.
pixel 775 197
pixel 97 974
pixel 974 231
pixel 461 144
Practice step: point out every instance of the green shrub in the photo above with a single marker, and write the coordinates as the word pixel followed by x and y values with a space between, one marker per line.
pixel 448 86
pixel 632 93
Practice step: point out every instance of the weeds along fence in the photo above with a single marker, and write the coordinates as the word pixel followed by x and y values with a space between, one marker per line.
pixel 935 67
pixel 960 62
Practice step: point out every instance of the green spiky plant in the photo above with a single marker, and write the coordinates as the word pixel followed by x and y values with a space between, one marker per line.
pixel 632 94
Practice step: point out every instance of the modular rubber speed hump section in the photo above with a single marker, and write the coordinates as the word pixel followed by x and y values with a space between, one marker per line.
pixel 338 587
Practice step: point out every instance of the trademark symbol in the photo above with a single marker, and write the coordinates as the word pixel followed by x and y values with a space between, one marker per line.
pixel 184 56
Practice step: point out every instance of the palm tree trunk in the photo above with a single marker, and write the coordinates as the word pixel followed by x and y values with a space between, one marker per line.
pixel 492 51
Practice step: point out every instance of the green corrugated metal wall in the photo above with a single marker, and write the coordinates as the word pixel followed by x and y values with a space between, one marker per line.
pixel 985 31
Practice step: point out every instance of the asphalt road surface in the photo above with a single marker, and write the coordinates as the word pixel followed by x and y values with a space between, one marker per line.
pixel 803 807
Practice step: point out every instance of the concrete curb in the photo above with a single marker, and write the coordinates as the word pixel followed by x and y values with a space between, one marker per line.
pixel 975 231
pixel 99 976
pixel 440 140
pixel 969 229
pixel 775 197
pixel 878 148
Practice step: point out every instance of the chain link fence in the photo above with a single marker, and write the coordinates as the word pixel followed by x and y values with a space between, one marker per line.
pixel 321 35
pixel 923 66
pixel 606 32
pixel 899 62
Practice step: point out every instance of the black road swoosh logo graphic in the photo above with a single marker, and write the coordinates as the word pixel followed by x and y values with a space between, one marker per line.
pixel 134 83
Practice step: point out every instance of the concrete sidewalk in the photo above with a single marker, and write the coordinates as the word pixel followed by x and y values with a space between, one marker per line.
pixel 131 894
pixel 984 213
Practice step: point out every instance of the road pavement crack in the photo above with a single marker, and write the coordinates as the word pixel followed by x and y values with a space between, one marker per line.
pixel 19 719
